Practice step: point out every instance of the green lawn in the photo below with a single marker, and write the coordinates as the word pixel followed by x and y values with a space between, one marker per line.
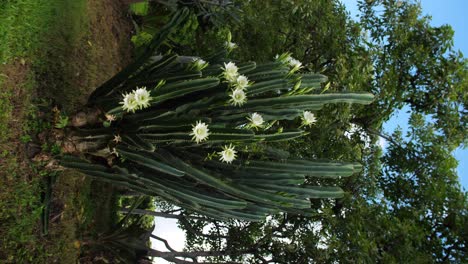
pixel 51 55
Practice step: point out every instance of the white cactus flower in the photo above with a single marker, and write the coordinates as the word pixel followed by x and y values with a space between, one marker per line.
pixel 200 132
pixel 230 45
pixel 256 120
pixel 242 82
pixel 228 154
pixel 142 97
pixel 283 58
pixel 308 118
pixel 199 64
pixel 129 103
pixel 238 97
pixel 230 72
pixel 294 64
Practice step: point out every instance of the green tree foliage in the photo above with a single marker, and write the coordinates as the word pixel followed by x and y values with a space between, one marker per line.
pixel 407 205
pixel 415 64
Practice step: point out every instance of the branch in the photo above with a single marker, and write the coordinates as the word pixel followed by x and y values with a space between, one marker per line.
pixel 172 211
pixel 193 254
pixel 160 214
pixel 384 136
pixel 180 217
pixel 166 244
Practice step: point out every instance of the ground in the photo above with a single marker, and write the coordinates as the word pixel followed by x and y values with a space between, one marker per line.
pixel 46 75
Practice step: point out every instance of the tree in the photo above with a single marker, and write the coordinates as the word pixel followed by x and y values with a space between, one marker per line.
pixel 407 205
pixel 415 65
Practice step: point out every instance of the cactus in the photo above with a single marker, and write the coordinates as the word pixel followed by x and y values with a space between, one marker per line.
pixel 170 145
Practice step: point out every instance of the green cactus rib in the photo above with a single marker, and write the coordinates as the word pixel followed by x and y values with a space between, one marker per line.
pixel 115 82
pixel 212 70
pixel 267 86
pixel 246 67
pixel 297 102
pixel 285 135
pixel 70 161
pixel 239 191
pixel 290 164
pixel 270 75
pixel 197 199
pixel 267 181
pixel 137 142
pixel 237 215
pixel 230 134
pixel 307 191
pixel 165 127
pixel 149 162
pixel 208 199
pixel 268 114
pixel 151 115
pixel 166 137
pixel 188 87
pixel 281 114
pixel 318 99
pixel 158 66
pixel 248 175
pixel 313 77
pixel 314 171
pixel 268 67
pixel 168 78
pixel 182 85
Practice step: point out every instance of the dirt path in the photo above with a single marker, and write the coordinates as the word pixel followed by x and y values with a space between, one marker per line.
pixel 91 56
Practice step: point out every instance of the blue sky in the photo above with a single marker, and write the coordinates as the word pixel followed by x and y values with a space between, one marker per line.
pixel 452 12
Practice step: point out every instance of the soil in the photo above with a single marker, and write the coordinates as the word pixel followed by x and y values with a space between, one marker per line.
pixel 15 77
pixel 90 59
pixel 96 57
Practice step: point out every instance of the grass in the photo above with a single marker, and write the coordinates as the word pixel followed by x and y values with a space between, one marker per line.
pixel 20 204
pixel 59 50
pixel 21 24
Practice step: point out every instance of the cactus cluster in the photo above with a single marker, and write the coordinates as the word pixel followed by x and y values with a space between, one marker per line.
pixel 232 172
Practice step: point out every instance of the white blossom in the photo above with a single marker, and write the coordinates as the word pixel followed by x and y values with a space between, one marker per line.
pixel 242 82
pixel 294 64
pixel 308 118
pixel 228 154
pixel 238 97
pixel 200 132
pixel 286 58
pixel 129 103
pixel 142 97
pixel 283 58
pixel 230 72
pixel 230 45
pixel 256 120
pixel 199 64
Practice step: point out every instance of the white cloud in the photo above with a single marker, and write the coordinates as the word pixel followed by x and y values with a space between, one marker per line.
pixel 167 228
pixel 382 143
